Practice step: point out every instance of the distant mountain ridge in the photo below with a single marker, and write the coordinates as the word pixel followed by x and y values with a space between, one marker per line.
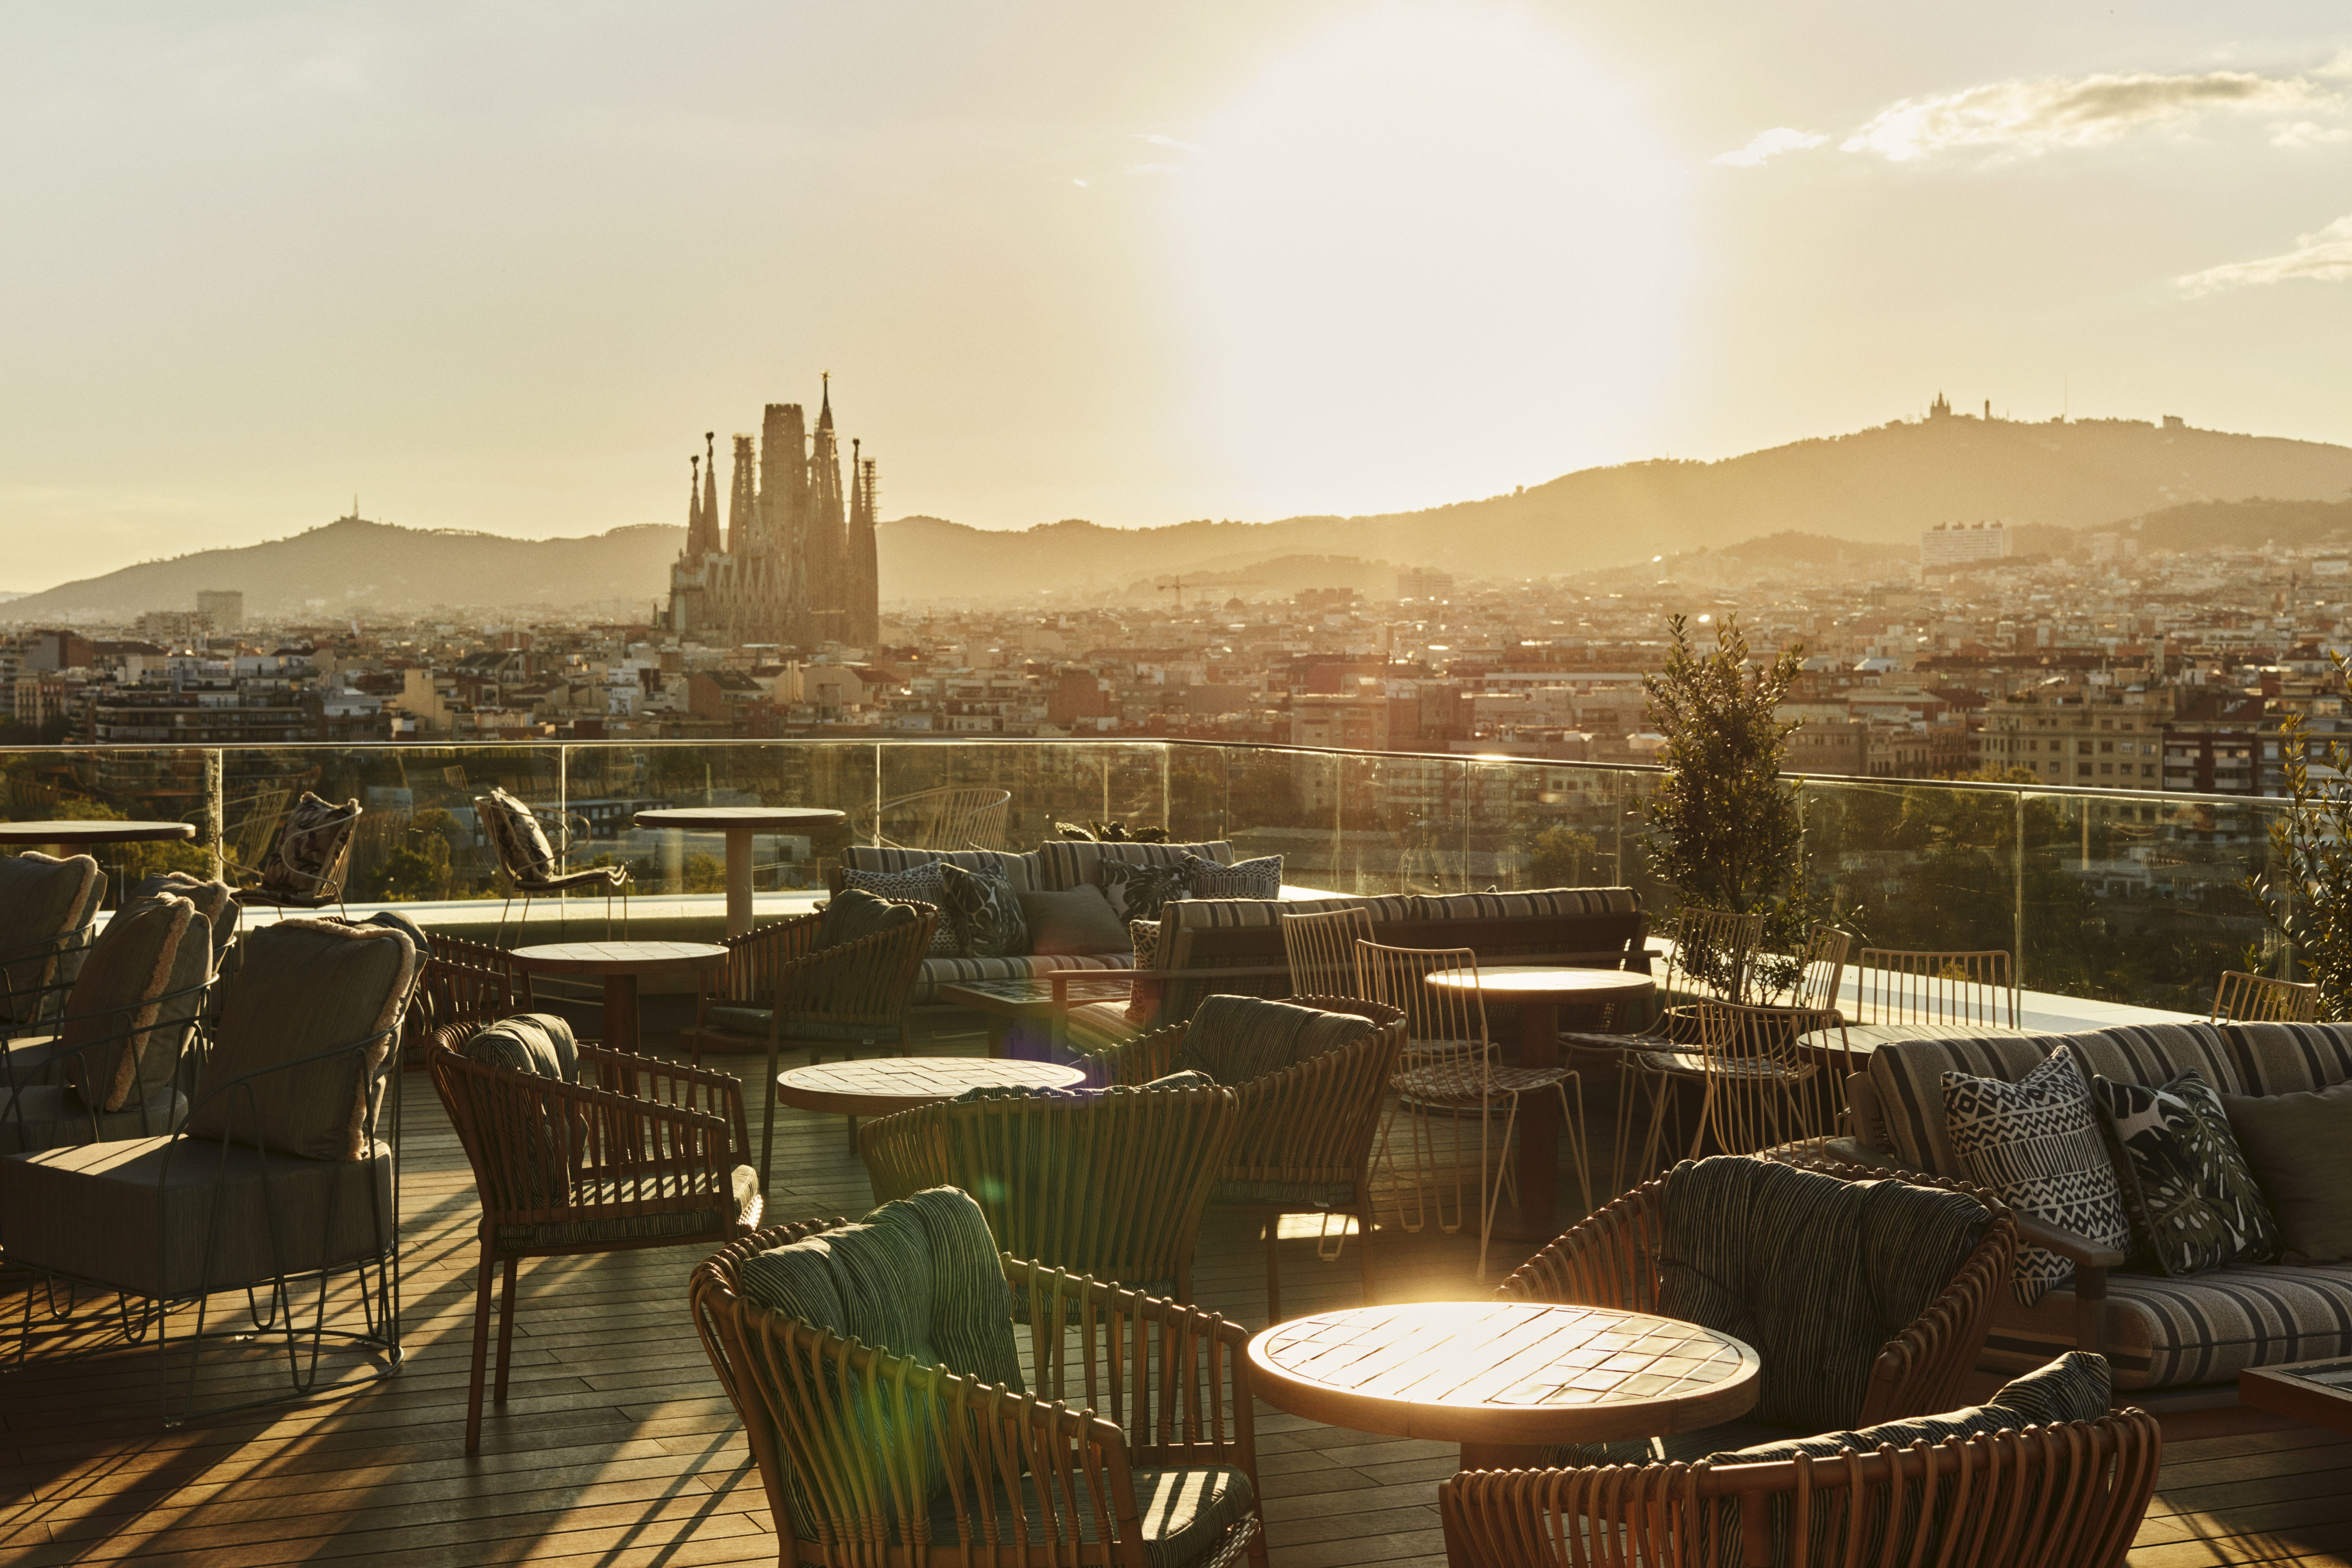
pixel 1874 488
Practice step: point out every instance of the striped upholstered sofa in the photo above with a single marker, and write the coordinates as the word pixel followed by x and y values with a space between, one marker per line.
pixel 2159 1331
pixel 1055 866
pixel 1207 946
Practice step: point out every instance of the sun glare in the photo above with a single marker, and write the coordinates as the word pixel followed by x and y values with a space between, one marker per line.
pixel 1429 253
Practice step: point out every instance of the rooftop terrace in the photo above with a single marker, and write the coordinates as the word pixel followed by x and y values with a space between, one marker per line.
pixel 617 1447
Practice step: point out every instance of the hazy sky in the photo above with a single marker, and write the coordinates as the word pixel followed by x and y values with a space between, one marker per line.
pixel 498 267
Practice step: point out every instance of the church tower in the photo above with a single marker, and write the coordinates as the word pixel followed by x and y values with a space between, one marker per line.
pixel 828 529
pixel 743 497
pixel 862 604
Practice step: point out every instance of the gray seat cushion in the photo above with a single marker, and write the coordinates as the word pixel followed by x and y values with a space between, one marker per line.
pixel 216 903
pixel 304 987
pixel 52 1117
pixel 43 901
pixel 853 914
pixel 165 1218
pixel 119 1035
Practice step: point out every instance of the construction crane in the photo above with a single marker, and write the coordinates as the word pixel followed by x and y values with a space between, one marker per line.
pixel 1176 584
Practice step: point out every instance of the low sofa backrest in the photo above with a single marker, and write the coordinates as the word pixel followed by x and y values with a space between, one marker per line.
pixel 1598 927
pixel 1899 1107
pixel 1814 1273
pixel 1019 870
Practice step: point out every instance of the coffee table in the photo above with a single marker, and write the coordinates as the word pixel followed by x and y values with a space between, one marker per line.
pixel 1539 991
pixel 742 824
pixel 881 1085
pixel 1504 1379
pixel 2315 1393
pixel 619 964
pixel 1019 1005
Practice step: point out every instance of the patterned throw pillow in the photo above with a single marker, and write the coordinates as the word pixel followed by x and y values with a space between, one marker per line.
pixel 1260 878
pixel 985 913
pixel 2035 1143
pixel 922 884
pixel 1136 890
pixel 2194 1201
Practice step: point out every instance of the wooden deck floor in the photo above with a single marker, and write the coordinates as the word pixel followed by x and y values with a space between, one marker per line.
pixel 616 1449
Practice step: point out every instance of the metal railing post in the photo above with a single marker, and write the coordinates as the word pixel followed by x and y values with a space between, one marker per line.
pixel 2017 885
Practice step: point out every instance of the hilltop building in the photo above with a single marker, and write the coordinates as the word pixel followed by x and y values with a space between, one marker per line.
pixel 795 563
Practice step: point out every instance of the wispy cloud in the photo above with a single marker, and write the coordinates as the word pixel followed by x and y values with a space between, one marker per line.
pixel 2322 258
pixel 2027 118
pixel 1154 139
pixel 2030 118
pixel 1770 144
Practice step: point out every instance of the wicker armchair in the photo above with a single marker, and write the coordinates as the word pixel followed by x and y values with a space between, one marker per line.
pixel 1619 1256
pixel 1102 1421
pixel 466 984
pixel 1305 1141
pixel 1110 1185
pixel 778 987
pixel 2067 1495
pixel 648 1154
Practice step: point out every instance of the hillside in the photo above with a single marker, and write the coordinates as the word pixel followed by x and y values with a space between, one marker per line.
pixel 352 567
pixel 1877 486
pixel 1842 502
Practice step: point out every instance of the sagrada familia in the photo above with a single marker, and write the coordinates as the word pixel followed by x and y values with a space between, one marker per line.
pixel 796 563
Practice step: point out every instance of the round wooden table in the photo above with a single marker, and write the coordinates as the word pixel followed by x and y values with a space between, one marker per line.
pixel 880 1085
pixel 77 833
pixel 1539 991
pixel 1504 1379
pixel 742 824
pixel 619 964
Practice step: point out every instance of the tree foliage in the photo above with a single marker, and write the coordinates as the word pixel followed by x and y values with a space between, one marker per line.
pixel 2307 898
pixel 1727 831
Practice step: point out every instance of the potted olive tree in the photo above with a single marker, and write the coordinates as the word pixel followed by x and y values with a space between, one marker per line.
pixel 2307 894
pixel 1727 831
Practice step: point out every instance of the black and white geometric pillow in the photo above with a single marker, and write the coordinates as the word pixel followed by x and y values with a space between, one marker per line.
pixel 2036 1144
pixel 1260 878
pixel 985 913
pixel 919 883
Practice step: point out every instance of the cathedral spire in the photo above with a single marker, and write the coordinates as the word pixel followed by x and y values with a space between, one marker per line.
pixel 825 412
pixel 694 507
pixel 709 492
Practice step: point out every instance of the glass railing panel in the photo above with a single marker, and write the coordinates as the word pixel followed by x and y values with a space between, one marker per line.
pixel 1921 867
pixel 418 835
pixel 1043 783
pixel 165 784
pixel 1401 823
pixel 2141 899
pixel 607 783
pixel 1556 824
pixel 1278 802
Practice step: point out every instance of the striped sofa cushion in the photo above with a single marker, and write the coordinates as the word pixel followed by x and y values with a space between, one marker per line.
pixel 1909 1078
pixel 2172 1334
pixel 2152 1055
pixel 2288 1057
pixel 1065 863
pixel 1098 1025
pixel 1541 901
pixel 938 972
pixel 1020 871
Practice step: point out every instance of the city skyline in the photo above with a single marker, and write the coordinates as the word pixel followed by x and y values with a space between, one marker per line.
pixel 1324 257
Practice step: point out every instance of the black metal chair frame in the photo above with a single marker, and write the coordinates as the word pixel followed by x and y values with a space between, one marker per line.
pixel 378 1276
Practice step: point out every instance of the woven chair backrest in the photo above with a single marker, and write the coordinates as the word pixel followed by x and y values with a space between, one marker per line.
pixel 1895 985
pixel 2241 997
pixel 1321 951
